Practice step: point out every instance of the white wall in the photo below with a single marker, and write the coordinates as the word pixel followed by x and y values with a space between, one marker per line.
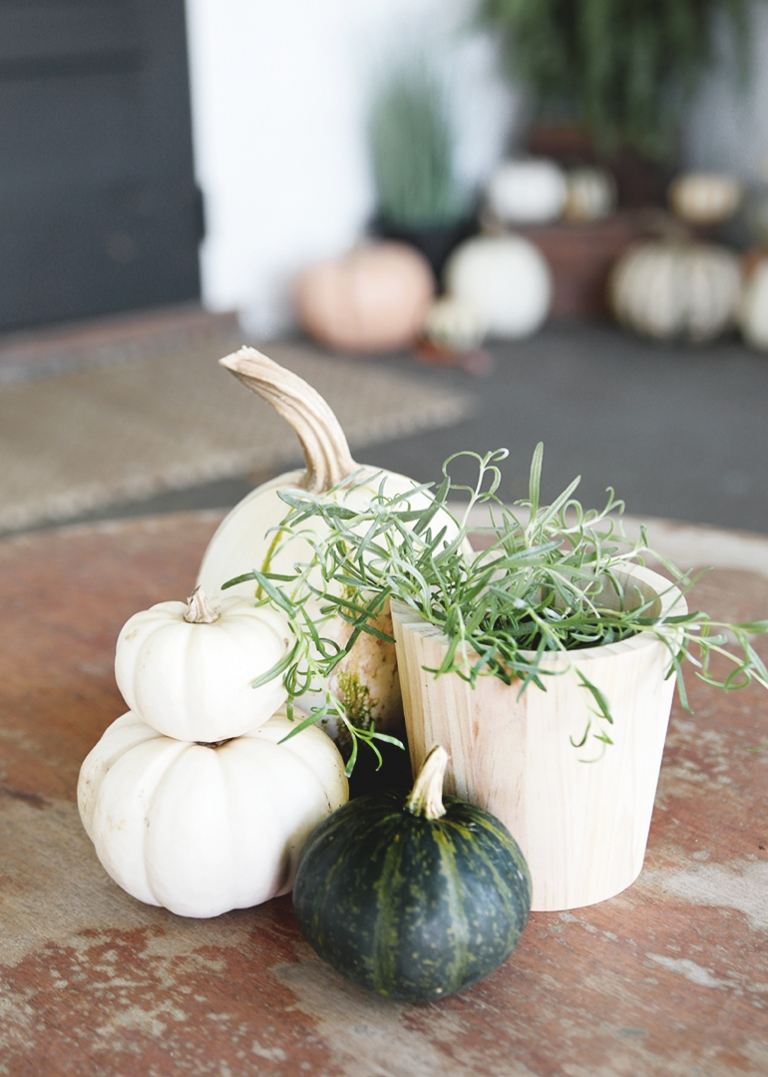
pixel 728 126
pixel 280 90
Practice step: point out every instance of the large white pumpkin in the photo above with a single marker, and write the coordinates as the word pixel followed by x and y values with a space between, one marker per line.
pixel 673 290
pixel 187 668
pixel 527 191
pixel 204 829
pixel 753 314
pixel 245 539
pixel 506 278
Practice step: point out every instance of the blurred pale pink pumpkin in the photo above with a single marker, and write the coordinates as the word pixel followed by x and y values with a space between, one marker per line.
pixel 375 298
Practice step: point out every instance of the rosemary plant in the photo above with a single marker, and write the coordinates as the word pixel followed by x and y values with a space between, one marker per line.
pixel 553 578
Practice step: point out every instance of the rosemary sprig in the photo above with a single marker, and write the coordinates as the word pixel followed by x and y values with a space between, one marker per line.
pixel 549 581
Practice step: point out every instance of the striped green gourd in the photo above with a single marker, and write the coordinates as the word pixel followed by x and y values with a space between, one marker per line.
pixel 411 897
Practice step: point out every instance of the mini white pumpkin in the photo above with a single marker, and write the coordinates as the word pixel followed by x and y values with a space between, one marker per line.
pixel 591 194
pixel 668 289
pixel 456 323
pixel 249 536
pixel 187 668
pixel 753 315
pixel 705 198
pixel 506 278
pixel 204 829
pixel 527 191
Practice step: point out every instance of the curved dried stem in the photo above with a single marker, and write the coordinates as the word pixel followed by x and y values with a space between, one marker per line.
pixel 326 452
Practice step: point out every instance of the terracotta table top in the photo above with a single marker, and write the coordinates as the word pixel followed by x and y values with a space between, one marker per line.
pixel 668 978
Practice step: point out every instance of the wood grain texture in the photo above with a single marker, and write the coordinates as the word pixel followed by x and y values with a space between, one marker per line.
pixel 669 979
pixel 580 815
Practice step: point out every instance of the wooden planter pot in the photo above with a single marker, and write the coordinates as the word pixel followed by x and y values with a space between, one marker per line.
pixel 582 826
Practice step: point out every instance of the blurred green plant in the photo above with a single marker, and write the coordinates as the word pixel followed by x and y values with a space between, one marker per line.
pixel 624 69
pixel 412 147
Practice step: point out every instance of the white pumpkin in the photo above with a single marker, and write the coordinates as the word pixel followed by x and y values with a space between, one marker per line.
pixel 245 539
pixel 456 323
pixel 186 668
pixel 591 194
pixel 676 289
pixel 705 198
pixel 204 829
pixel 753 314
pixel 527 191
pixel 506 278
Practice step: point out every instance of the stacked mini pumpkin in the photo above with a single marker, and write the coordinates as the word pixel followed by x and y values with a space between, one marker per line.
pixel 202 798
pixel 191 799
pixel 194 800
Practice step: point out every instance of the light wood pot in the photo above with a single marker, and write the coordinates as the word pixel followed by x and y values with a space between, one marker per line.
pixel 582 826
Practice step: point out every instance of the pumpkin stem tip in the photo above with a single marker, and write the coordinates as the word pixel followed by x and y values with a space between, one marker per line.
pixel 199 609
pixel 326 451
pixel 426 797
pixel 235 360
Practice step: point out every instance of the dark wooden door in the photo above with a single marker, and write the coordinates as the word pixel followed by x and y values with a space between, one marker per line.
pixel 98 206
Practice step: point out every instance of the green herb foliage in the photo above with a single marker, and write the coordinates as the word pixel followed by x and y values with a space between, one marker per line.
pixel 550 581
pixel 412 149
pixel 624 68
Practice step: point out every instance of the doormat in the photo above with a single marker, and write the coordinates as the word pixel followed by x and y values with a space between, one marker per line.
pixel 82 441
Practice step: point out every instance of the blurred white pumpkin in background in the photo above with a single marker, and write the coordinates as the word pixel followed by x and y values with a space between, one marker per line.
pixel 705 198
pixel 527 191
pixel 753 314
pixel 591 194
pixel 667 289
pixel 456 323
pixel 506 278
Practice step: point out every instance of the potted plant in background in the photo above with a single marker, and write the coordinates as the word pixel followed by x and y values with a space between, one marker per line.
pixel 419 200
pixel 609 79
pixel 545 664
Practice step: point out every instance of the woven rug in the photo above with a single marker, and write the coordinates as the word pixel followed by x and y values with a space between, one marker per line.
pixel 84 440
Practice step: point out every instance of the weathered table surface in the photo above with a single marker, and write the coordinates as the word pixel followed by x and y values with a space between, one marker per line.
pixel 669 978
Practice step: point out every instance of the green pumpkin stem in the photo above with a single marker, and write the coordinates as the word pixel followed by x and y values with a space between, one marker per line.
pixel 199 609
pixel 426 797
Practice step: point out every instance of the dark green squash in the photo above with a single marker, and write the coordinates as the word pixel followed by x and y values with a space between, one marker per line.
pixel 411 898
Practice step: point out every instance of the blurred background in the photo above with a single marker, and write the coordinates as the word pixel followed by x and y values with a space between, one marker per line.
pixel 469 223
